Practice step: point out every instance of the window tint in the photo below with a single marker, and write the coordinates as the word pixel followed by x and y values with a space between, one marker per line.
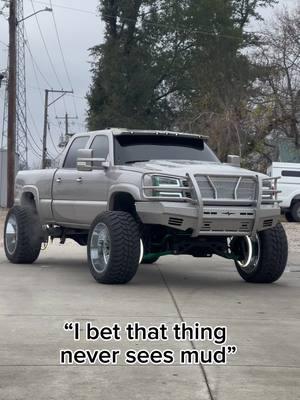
pixel 100 146
pixel 71 159
pixel 295 174
pixel 134 148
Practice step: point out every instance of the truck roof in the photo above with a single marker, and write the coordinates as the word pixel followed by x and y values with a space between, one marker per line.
pixel 125 131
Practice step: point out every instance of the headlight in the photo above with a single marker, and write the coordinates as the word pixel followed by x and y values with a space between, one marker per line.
pixel 166 182
pixel 161 186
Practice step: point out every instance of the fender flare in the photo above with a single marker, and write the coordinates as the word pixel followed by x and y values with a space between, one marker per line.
pixel 123 188
pixel 34 191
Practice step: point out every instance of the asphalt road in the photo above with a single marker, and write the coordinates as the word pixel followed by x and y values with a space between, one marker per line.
pixel 36 300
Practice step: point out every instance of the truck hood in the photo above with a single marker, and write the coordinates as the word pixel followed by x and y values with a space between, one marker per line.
pixel 181 168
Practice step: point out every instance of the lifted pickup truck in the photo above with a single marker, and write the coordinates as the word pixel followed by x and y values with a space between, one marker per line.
pixel 134 196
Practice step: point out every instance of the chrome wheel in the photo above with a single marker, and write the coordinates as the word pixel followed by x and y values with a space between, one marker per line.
pixel 100 247
pixel 251 251
pixel 269 256
pixel 141 251
pixel 11 234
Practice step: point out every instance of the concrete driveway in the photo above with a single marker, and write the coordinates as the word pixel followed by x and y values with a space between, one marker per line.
pixel 36 300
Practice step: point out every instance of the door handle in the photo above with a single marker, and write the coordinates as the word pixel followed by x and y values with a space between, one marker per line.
pixel 58 180
pixel 79 180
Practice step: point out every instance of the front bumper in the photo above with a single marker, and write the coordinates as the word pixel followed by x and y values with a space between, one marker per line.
pixel 209 221
pixel 218 218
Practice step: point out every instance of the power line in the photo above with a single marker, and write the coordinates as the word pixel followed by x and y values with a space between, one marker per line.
pixel 41 88
pixel 35 126
pixel 79 97
pixel 36 75
pixel 36 130
pixel 36 69
pixel 201 32
pixel 32 148
pixel 58 155
pixel 51 138
pixel 59 126
pixel 35 64
pixel 62 55
pixel 46 47
pixel 34 141
pixel 61 93
pixel 68 8
pixel 60 48
pixel 48 54
pixel 35 151
pixel 3 43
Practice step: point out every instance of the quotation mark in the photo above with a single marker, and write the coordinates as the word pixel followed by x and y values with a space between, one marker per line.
pixel 68 326
pixel 231 349
pixel 73 326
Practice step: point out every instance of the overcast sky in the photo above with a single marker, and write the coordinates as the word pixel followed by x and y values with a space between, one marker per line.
pixel 79 28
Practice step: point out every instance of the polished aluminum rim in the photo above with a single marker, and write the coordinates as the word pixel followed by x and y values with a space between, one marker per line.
pixel 141 251
pixel 100 247
pixel 252 254
pixel 11 234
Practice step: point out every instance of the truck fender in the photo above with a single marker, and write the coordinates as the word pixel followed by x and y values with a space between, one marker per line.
pixel 287 202
pixel 34 191
pixel 124 188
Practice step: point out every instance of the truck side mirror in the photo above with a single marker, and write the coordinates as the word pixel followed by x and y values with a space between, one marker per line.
pixel 235 161
pixel 86 162
pixel 84 159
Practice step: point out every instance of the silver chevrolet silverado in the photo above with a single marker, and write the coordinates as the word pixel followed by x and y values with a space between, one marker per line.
pixel 134 196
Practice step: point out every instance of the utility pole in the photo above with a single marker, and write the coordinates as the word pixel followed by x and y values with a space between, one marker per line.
pixel 67 124
pixel 47 105
pixel 44 156
pixel 64 140
pixel 12 110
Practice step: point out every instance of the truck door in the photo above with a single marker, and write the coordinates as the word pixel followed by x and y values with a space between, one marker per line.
pixel 79 196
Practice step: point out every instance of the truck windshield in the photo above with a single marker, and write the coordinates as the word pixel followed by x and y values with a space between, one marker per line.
pixel 138 148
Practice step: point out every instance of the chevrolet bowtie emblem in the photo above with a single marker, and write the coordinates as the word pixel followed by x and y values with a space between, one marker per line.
pixel 228 213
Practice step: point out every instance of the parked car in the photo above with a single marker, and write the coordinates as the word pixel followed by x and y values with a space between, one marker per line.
pixel 289 187
pixel 134 196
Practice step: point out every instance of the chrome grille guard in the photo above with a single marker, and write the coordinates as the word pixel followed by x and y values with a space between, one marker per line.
pixel 266 190
pixel 266 194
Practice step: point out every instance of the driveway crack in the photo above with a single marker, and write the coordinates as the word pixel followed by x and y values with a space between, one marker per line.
pixel 201 366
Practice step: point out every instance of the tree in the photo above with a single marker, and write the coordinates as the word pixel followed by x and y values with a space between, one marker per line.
pixel 244 10
pixel 279 54
pixel 220 101
pixel 164 63
pixel 129 68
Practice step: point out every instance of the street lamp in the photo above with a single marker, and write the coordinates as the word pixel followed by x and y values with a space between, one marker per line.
pixel 37 12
